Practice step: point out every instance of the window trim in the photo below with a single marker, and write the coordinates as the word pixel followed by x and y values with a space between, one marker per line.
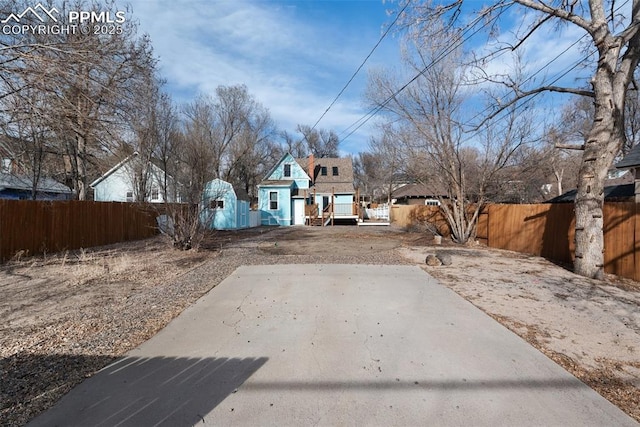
pixel 216 204
pixel 272 201
pixel 284 172
pixel 128 196
pixel 155 193
pixel 323 170
pixel 334 170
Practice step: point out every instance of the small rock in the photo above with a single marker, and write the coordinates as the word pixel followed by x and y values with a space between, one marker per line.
pixel 444 258
pixel 433 261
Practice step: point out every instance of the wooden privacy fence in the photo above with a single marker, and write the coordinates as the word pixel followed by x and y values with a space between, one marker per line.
pixel 548 230
pixel 409 215
pixel 36 227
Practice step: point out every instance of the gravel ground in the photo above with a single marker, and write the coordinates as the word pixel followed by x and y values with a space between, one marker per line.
pixel 43 357
pixel 67 316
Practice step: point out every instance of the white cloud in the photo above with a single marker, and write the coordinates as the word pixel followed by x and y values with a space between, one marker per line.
pixel 291 63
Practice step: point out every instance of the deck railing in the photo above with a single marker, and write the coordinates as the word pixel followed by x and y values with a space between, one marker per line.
pixel 344 209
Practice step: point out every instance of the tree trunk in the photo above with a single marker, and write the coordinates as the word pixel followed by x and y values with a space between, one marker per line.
pixel 603 143
pixel 81 172
pixel 559 175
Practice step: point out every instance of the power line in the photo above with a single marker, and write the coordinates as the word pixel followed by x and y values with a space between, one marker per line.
pixel 360 67
pixel 487 109
pixel 558 78
pixel 531 97
pixel 371 113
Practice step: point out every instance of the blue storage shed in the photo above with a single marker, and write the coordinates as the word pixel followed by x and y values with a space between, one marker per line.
pixel 223 207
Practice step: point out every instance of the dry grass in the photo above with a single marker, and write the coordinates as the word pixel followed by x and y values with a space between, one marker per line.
pixel 68 314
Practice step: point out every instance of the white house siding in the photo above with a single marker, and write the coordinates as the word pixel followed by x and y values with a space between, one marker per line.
pixel 114 187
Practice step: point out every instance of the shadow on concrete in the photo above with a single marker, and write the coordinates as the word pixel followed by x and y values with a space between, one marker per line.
pixel 29 382
pixel 152 391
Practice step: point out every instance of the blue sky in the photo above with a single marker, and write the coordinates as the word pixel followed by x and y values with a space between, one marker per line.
pixel 293 56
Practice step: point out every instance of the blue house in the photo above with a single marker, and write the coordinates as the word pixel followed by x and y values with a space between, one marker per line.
pixel 223 207
pixel 308 191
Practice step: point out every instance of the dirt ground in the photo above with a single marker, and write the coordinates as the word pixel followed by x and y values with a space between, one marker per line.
pixel 86 308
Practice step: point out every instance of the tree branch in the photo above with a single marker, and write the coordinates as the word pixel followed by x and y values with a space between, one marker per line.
pixel 559 13
pixel 526 94
pixel 531 31
pixel 569 146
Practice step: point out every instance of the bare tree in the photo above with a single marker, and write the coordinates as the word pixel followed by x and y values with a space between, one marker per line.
pixel 429 116
pixel 86 80
pixel 386 164
pixel 27 129
pixel 168 147
pixel 199 157
pixel 320 142
pixel 293 145
pixel 612 33
pixel 235 134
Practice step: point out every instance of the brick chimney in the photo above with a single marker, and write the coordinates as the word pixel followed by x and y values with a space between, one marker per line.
pixel 312 167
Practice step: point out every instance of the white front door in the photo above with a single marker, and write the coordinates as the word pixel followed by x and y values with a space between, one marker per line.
pixel 298 212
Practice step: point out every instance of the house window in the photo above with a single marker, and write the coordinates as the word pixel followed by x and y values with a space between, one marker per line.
pixel 216 204
pixel 335 171
pixel 129 196
pixel 287 170
pixel 155 194
pixel 273 200
pixel 6 165
pixel 431 202
pixel 323 170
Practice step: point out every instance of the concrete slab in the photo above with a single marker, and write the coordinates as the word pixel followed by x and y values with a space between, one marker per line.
pixel 333 345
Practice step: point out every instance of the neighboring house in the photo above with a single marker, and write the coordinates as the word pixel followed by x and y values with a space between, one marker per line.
pixel 223 207
pixel 118 184
pixel 418 194
pixel 308 191
pixel 632 162
pixel 619 187
pixel 14 186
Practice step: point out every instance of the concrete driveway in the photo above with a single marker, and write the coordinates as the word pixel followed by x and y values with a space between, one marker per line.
pixel 333 345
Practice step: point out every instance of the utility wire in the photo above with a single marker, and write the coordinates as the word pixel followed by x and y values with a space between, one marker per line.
pixel 488 108
pixel 371 113
pixel 533 96
pixel 558 78
pixel 360 67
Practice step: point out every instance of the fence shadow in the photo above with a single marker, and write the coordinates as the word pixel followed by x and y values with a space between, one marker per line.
pixel 150 391
pixel 558 235
pixel 28 381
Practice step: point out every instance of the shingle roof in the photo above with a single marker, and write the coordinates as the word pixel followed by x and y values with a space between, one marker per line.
pixel 333 187
pixel 340 183
pixel 418 190
pixel 154 162
pixel 241 193
pixel 631 160
pixel 277 182
pixel 611 193
pixel 22 182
